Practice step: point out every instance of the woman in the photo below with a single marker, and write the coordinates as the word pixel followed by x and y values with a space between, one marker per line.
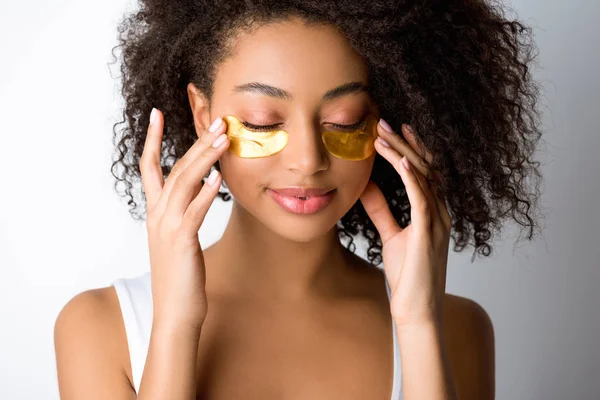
pixel 325 119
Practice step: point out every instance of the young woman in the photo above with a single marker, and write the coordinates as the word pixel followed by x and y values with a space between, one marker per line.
pixel 405 123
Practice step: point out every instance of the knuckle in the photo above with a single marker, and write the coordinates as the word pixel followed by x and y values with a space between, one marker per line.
pixel 180 183
pixel 211 152
pixel 206 138
pixel 205 193
pixel 400 166
pixel 209 157
pixel 175 170
pixel 196 212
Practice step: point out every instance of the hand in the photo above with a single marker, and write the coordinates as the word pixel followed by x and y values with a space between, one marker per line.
pixel 414 258
pixel 175 213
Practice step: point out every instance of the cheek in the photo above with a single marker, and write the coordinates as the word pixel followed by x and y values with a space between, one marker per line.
pixel 232 170
pixel 243 177
pixel 352 176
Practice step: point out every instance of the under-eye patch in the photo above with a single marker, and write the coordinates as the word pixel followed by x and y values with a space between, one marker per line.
pixel 354 145
pixel 247 143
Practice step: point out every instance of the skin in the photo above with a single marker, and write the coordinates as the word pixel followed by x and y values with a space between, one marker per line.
pixel 279 302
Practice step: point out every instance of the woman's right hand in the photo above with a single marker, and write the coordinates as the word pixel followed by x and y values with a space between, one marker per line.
pixel 175 211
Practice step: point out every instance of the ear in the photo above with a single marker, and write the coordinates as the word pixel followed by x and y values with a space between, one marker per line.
pixel 199 105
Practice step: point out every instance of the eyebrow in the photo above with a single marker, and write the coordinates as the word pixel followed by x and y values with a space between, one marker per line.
pixel 278 93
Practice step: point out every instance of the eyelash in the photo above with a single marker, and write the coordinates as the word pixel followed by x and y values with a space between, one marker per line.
pixel 252 127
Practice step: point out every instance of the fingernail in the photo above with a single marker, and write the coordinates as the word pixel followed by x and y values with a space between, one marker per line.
pixel 152 116
pixel 383 141
pixel 212 178
pixel 385 125
pixel 406 162
pixel 219 141
pixel 409 129
pixel 215 125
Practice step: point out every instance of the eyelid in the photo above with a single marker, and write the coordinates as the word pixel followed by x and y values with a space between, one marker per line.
pixel 253 127
pixel 358 125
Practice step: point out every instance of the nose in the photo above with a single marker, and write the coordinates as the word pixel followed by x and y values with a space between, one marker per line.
pixel 305 152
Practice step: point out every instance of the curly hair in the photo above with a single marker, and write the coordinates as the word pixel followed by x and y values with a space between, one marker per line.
pixel 457 71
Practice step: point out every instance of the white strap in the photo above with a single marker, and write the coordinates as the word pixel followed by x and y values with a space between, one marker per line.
pixel 135 298
pixel 397 385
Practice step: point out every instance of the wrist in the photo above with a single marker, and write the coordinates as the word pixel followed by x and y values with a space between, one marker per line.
pixel 425 319
pixel 416 336
pixel 172 327
pixel 420 327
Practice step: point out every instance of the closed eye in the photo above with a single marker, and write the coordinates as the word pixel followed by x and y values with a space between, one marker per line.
pixel 253 127
pixel 353 127
pixel 262 128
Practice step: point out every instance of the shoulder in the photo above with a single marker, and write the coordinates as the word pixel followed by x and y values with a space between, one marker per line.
pixel 87 312
pixel 467 311
pixel 469 337
pixel 91 346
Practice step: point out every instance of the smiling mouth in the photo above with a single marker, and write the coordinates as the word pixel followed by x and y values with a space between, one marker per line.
pixel 303 204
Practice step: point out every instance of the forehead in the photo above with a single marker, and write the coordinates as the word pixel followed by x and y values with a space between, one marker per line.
pixel 304 59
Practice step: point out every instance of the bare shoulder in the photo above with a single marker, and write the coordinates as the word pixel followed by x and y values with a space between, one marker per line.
pixel 467 310
pixel 90 343
pixel 469 338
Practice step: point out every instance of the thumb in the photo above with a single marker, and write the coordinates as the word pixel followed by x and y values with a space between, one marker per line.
pixel 377 208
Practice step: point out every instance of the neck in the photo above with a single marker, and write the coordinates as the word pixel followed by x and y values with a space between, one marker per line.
pixel 250 259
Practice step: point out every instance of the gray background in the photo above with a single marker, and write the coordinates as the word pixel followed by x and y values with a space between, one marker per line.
pixel 63 230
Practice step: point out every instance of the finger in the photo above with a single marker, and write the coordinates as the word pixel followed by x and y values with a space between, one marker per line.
pixel 152 176
pixel 397 142
pixel 409 134
pixel 443 208
pixel 188 184
pixel 378 210
pixel 437 223
pixel 423 160
pixel 420 209
pixel 196 212
pixel 204 142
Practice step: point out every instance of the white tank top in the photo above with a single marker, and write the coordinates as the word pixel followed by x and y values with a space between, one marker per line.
pixel 135 298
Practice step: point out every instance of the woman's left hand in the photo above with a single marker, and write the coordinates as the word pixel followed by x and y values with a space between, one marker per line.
pixel 414 258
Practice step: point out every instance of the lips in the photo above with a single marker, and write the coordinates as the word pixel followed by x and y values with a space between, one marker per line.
pixel 302 192
pixel 299 200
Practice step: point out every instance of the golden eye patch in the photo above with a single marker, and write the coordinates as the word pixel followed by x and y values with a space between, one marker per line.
pixel 351 145
pixel 246 143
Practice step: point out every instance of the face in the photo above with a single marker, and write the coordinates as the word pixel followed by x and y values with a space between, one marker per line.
pixel 297 95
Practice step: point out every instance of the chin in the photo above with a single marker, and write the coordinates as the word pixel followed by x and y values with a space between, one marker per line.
pixel 300 231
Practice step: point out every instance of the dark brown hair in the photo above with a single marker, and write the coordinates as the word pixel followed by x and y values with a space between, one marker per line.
pixel 458 71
